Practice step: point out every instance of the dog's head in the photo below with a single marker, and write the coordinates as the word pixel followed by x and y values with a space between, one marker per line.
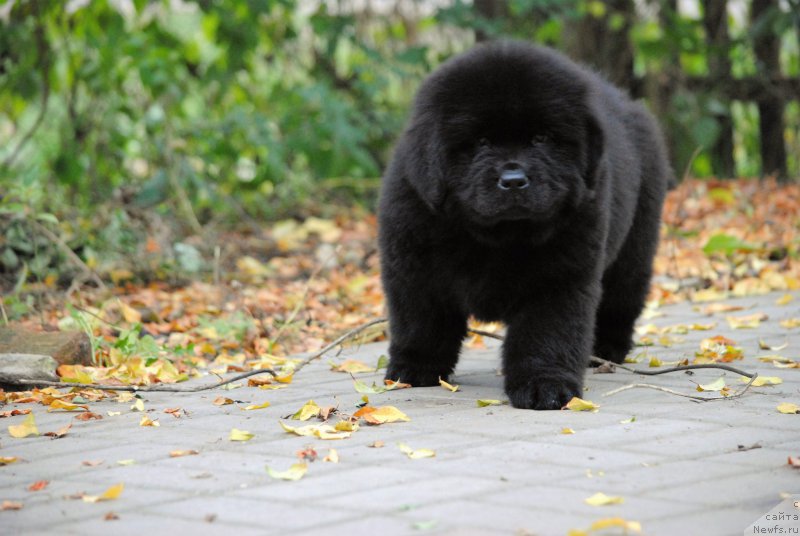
pixel 505 138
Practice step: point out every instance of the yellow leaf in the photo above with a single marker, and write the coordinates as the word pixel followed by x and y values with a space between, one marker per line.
pixel 381 415
pixel 130 314
pixel 483 402
pixel 577 532
pixel 765 346
pixel 180 453
pixel 129 461
pixel 745 322
pixel 257 406
pixel 655 362
pixel 295 472
pixel 138 405
pixel 332 456
pixel 113 413
pixel 579 404
pixel 790 323
pixel 716 385
pixel 784 300
pixel 608 522
pixel 240 435
pixel 147 421
pixel 346 426
pixel 567 431
pixel 352 366
pixel 5 460
pixel 222 401
pixel 415 454
pixel 57 404
pixel 708 295
pixel 310 409
pixel 287 378
pixel 761 381
pixel 628 421
pixel 108 495
pixel 601 499
pixel 788 407
pixel 28 427
pixel 322 431
pixel 451 388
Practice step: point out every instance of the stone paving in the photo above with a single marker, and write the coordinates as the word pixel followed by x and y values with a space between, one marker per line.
pixel 682 467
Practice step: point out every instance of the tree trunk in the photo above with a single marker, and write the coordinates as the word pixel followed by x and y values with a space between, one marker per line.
pixel 603 42
pixel 770 106
pixel 715 22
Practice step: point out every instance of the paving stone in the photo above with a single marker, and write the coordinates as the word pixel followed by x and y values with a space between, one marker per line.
pixel 497 469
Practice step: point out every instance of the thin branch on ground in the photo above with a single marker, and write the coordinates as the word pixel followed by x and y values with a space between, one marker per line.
pixel 350 334
pixel 161 387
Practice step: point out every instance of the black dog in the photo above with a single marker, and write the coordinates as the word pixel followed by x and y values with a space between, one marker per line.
pixel 525 189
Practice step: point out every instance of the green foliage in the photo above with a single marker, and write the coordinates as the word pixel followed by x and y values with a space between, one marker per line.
pixel 726 244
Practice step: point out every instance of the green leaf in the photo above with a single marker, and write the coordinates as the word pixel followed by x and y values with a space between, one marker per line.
pixel 727 244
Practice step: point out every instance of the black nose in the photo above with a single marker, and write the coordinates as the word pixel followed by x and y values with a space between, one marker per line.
pixel 513 179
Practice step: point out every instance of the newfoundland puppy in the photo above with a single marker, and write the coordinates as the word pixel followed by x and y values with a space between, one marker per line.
pixel 525 189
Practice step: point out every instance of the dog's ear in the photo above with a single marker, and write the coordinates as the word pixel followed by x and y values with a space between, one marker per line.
pixel 595 146
pixel 424 159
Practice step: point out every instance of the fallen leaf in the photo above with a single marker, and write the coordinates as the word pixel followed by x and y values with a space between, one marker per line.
pixel 222 401
pixel 785 299
pixel 321 431
pixel 108 495
pixel 256 406
pixel 6 460
pixel 346 426
pixel 655 362
pixel 352 366
pixel 181 453
pixel 61 432
pixel 126 462
pixel 381 415
pixel 91 463
pixel 375 389
pixel 721 308
pixel 601 524
pixel 578 404
pixel 391 385
pixel 88 416
pixel 11 505
pixel 295 472
pixel 628 421
pixel 415 454
pixel 332 457
pixel 110 516
pixel 14 413
pixel 764 346
pixel 567 431
pixel 601 499
pixel 28 427
pixel 131 315
pixel 445 385
pixel 483 402
pixel 718 349
pixel 147 421
pixel 794 461
pixel 310 409
pixel 790 323
pixel 38 485
pixel 377 444
pixel 138 405
pixel 240 435
pixel 716 385
pixel 307 453
pixel 788 408
pixel 745 322
pixel 761 381
pixel 175 412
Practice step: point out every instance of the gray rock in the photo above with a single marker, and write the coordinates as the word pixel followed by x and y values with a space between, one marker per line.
pixel 15 367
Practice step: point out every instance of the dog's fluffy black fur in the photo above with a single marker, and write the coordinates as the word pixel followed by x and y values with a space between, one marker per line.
pixel 524 189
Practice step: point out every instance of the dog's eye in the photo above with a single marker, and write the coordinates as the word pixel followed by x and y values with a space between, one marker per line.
pixel 540 138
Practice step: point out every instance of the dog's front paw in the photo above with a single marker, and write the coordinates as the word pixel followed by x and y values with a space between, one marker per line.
pixel 542 394
pixel 416 376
